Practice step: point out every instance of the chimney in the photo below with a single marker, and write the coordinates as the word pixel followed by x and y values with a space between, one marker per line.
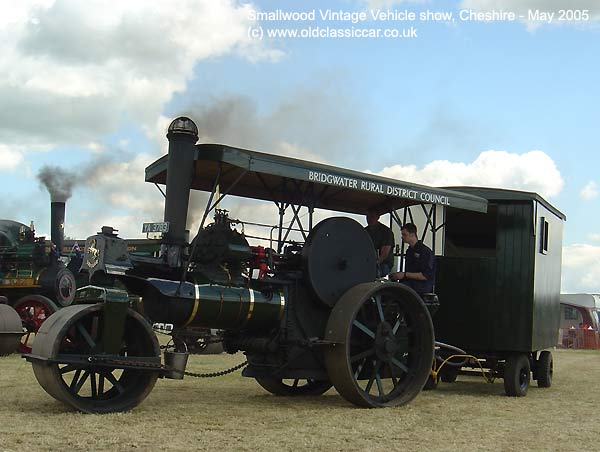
pixel 182 135
pixel 57 224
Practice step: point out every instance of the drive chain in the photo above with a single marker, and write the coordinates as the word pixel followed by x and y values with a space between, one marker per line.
pixel 142 364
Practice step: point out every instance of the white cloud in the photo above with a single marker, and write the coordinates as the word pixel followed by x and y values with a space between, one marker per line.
pixel 521 7
pixel 72 70
pixel 9 158
pixel 581 268
pixel 95 147
pixel 590 191
pixel 532 171
pixel 594 237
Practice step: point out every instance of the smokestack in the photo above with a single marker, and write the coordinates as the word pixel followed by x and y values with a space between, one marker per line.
pixel 57 224
pixel 182 135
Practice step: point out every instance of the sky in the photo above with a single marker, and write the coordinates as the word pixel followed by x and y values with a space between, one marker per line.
pixel 88 89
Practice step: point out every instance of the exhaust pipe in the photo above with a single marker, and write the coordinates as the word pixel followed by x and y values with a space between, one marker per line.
pixel 182 135
pixel 57 224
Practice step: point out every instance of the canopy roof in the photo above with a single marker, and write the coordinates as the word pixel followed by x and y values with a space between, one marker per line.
pixel 283 179
pixel 506 195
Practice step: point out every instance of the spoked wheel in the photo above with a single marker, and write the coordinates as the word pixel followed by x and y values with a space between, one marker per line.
pixel 294 386
pixel 384 345
pixel 33 310
pixel 74 334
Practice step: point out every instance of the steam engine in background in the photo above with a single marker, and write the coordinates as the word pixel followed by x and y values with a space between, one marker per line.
pixel 34 278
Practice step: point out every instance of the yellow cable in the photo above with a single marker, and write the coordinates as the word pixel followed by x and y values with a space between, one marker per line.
pixel 435 370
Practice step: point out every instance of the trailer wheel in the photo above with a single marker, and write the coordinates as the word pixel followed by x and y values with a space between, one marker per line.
pixel 293 387
pixel 544 369
pixel 448 374
pixel 517 372
pixel 382 345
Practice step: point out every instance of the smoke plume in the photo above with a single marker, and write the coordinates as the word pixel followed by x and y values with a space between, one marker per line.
pixel 59 182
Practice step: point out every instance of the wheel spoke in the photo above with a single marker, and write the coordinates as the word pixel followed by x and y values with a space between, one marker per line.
pixel 396 326
pixel 364 328
pixel 100 384
pixel 393 375
pixel 86 335
pixel 68 368
pixel 399 365
pixel 379 385
pixel 359 369
pixel 379 308
pixel 110 377
pixel 75 378
pixel 362 355
pixel 93 384
pixel 295 385
pixel 78 383
pixel 376 365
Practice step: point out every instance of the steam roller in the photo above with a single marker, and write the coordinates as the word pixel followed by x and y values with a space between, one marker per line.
pixel 321 321
pixel 307 314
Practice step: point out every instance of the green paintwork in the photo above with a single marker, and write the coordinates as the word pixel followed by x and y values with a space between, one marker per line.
pixel 507 300
pixel 116 304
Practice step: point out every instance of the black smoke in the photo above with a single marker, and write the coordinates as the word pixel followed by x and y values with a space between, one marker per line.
pixel 58 181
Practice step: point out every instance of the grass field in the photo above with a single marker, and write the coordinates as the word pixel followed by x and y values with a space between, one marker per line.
pixel 232 413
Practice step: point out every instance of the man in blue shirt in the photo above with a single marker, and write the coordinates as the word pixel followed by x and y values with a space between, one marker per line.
pixel 419 263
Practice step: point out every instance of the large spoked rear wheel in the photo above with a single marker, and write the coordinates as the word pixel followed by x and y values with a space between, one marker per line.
pixel 384 345
pixel 294 386
pixel 75 333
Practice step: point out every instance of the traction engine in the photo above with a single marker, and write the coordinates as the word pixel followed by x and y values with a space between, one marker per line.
pixel 308 317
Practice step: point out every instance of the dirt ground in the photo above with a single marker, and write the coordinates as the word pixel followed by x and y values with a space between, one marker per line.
pixel 232 413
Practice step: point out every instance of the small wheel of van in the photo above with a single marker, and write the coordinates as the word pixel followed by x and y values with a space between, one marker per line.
pixel 544 369
pixel 517 375
pixel 449 373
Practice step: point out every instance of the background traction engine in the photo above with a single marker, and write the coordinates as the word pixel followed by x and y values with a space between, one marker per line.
pixel 307 318
pixel 33 279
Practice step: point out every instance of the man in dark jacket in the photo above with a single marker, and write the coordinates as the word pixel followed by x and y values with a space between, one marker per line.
pixel 420 263
pixel 383 240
